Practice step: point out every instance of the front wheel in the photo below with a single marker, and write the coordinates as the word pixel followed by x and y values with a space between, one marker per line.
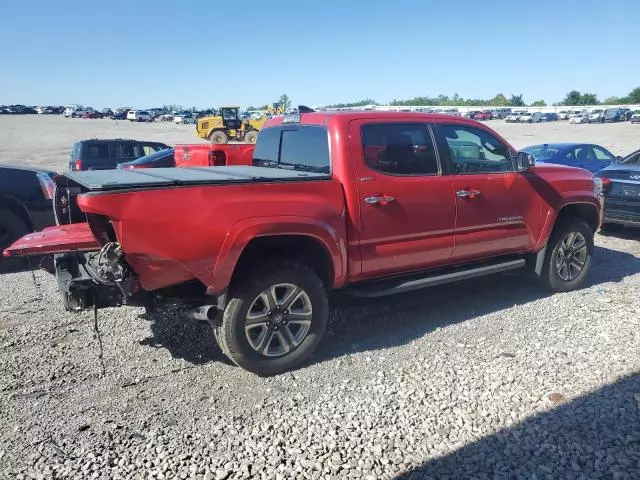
pixel 218 137
pixel 275 320
pixel 568 256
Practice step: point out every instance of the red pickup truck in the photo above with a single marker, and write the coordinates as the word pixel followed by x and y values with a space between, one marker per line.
pixel 375 203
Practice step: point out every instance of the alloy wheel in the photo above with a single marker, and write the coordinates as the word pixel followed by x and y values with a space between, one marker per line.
pixel 571 256
pixel 278 320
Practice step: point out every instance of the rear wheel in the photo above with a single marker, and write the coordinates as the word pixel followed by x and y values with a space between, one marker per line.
pixel 568 256
pixel 12 227
pixel 274 320
pixel 218 137
pixel 251 137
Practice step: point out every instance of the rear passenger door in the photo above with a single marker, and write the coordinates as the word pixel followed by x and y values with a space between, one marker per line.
pixel 406 206
pixel 497 210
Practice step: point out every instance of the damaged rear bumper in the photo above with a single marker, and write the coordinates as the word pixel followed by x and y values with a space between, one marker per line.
pixel 96 279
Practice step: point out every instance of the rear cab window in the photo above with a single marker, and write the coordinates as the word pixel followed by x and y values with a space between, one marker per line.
pixel 294 147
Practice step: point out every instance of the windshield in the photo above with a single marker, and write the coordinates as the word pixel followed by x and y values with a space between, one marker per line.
pixel 295 147
pixel 541 151
pixel 153 156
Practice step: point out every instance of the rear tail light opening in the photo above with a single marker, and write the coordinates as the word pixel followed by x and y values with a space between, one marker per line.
pixel 47 185
pixel 216 159
pixel 607 183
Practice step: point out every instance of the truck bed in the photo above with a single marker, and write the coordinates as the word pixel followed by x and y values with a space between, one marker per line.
pixel 108 180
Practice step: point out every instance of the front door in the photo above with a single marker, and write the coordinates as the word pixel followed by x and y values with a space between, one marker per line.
pixel 406 207
pixel 497 210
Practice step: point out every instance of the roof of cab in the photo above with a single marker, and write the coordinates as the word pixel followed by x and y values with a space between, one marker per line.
pixel 315 118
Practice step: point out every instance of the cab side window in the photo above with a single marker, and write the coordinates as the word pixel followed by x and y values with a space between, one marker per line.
pixel 473 150
pixel 400 148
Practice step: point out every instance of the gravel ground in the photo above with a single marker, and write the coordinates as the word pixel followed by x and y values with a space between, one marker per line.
pixel 492 379
pixel 484 379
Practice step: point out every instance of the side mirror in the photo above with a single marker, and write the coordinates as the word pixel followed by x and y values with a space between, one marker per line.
pixel 618 158
pixel 525 161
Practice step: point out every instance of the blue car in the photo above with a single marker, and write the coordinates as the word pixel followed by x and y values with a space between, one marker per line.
pixel 621 188
pixel 584 155
pixel 549 117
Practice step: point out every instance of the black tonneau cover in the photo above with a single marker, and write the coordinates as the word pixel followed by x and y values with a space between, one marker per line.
pixel 116 179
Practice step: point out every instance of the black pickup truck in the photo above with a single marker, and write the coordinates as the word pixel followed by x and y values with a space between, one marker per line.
pixel 25 205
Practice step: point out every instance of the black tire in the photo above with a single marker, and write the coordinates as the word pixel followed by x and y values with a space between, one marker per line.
pixel 12 227
pixel 251 137
pixel 218 137
pixel 554 266
pixel 235 341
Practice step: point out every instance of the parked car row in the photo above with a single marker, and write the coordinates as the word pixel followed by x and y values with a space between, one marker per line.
pixel 531 117
pixel 133 115
pixel 494 114
pixel 25 110
pixel 599 115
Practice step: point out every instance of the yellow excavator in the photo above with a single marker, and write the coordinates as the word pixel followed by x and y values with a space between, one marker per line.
pixel 227 125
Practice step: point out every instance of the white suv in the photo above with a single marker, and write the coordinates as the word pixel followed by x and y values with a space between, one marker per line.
pixel 139 116
pixel 73 111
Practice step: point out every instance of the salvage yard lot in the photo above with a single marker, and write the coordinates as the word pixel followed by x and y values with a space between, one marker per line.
pixel 482 379
pixel 45 140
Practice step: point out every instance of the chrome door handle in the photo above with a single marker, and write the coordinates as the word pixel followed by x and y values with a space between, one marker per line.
pixel 468 193
pixel 379 200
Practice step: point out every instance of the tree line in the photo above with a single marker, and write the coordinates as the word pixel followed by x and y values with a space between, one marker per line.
pixel 574 97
